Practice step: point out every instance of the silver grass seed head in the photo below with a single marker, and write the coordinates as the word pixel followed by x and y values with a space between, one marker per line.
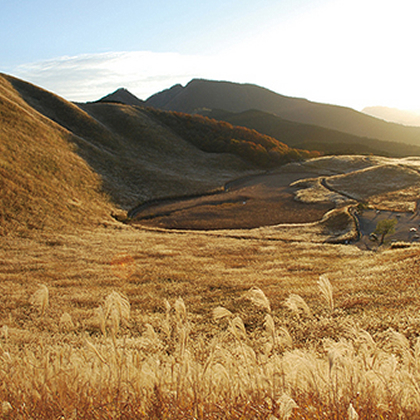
pixel 352 413
pixel 297 305
pixel 258 298
pixel 180 310
pixel 41 299
pixel 220 312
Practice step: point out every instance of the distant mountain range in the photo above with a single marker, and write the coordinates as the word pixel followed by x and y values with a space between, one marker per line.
pixel 313 137
pixel 394 115
pixel 296 122
pixel 201 96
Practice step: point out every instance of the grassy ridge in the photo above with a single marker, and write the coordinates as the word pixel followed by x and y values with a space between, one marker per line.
pixel 43 183
pixel 131 156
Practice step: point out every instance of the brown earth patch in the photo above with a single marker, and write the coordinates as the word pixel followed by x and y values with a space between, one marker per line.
pixel 252 202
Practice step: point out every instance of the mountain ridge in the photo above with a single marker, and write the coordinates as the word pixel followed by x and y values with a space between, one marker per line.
pixel 202 94
pixel 118 155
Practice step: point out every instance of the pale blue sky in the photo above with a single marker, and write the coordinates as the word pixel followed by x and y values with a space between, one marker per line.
pixel 348 52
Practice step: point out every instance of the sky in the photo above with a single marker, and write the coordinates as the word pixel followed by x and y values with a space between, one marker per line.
pixel 353 53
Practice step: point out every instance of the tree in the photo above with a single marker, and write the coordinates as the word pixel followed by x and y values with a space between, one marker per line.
pixel 385 227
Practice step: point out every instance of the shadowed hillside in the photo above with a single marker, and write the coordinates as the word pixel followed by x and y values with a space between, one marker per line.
pixel 312 137
pixel 233 97
pixel 221 137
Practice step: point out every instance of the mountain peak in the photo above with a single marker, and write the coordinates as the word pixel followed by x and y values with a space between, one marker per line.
pixel 123 96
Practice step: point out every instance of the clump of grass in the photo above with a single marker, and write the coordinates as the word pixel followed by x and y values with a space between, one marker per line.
pixel 40 299
pixel 285 404
pixel 114 312
pixel 352 413
pixel 220 312
pixel 258 298
pixel 66 322
pixel 298 305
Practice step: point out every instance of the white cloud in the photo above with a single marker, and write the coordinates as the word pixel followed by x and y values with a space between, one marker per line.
pixel 90 76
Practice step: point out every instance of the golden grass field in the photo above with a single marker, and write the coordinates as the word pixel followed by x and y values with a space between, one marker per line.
pixel 103 320
pixel 155 350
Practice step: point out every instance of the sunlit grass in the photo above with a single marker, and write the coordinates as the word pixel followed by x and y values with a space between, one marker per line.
pixel 202 327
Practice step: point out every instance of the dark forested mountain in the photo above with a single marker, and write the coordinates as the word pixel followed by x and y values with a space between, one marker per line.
pixel 199 95
pixel 122 96
pixel 312 137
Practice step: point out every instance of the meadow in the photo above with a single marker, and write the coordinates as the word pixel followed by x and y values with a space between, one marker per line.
pixel 104 320
pixel 118 322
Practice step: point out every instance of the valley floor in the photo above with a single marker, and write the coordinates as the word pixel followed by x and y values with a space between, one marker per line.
pixel 251 202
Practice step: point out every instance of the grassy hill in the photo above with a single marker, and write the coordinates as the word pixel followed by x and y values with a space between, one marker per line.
pixel 199 95
pixel 130 153
pixel 44 184
pixel 312 137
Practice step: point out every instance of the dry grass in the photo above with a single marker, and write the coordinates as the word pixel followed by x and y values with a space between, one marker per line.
pixel 99 320
pixel 164 355
pixel 43 183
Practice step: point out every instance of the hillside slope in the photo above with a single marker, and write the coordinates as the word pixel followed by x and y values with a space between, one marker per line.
pixel 205 94
pixel 215 136
pixel 43 182
pixel 58 158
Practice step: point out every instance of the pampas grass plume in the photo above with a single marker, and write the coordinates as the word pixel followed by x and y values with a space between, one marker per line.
pixel 40 298
pixel 180 310
pixel 66 323
pixel 258 298
pixel 6 409
pixel 117 309
pixel 286 405
pixel 237 327
pixel 5 332
pixel 297 304
pixel 326 290
pixel 352 413
pixel 220 312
